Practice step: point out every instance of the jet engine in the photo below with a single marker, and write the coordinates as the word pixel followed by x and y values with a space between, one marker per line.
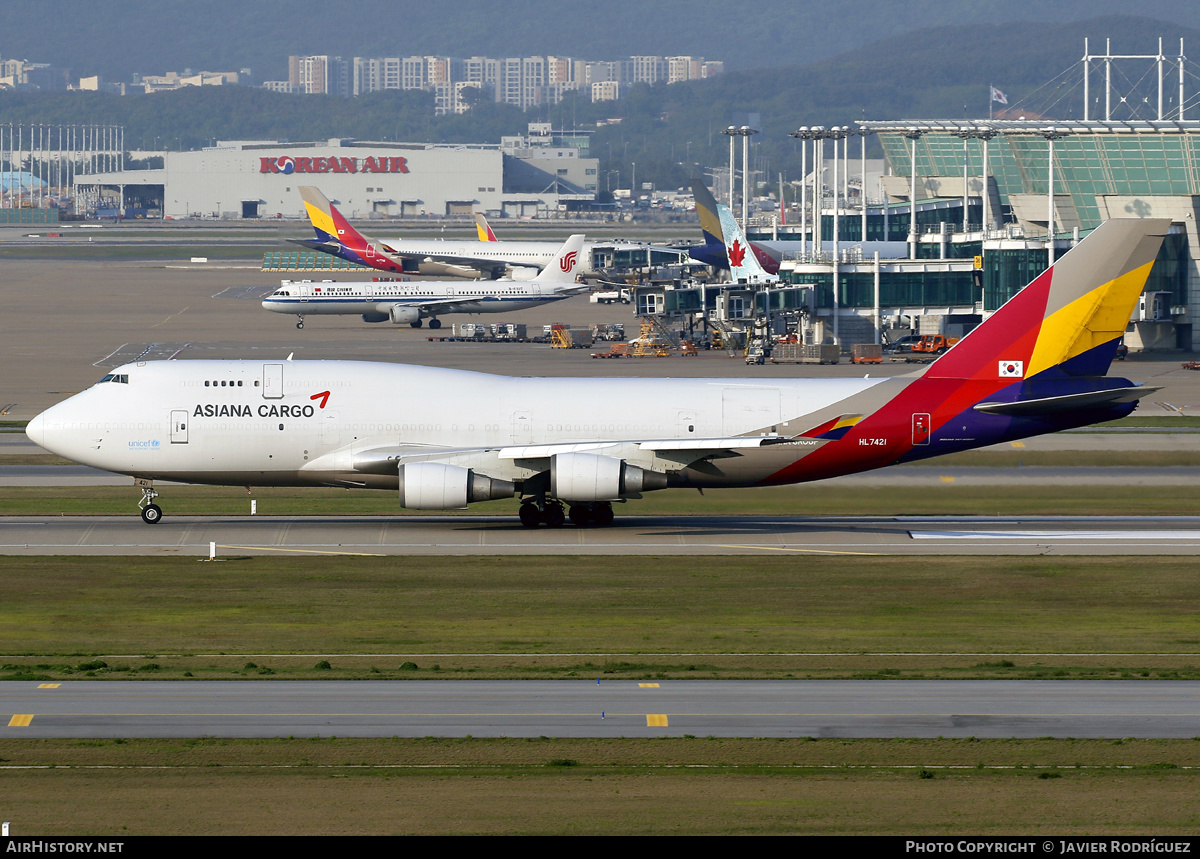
pixel 589 477
pixel 401 314
pixel 375 317
pixel 438 486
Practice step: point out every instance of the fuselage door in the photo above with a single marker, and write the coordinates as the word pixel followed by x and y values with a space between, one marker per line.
pixel 522 427
pixel 920 430
pixel 272 381
pixel 179 422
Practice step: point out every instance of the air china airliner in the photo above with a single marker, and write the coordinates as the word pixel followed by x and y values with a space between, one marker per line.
pixel 568 448
pixel 412 302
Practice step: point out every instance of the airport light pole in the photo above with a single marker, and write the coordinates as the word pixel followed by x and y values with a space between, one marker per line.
pixel 836 133
pixel 912 135
pixel 743 132
pixel 1050 134
pixel 804 134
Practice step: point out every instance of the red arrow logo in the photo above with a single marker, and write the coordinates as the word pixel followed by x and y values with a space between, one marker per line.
pixel 323 397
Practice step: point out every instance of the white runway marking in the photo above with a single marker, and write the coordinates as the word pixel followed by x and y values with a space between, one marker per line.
pixel 1055 535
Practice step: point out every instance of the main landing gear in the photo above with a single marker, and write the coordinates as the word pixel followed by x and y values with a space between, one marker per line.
pixel 300 323
pixel 552 515
pixel 435 323
pixel 151 512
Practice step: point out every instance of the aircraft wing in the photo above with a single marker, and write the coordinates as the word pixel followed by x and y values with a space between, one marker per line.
pixel 681 452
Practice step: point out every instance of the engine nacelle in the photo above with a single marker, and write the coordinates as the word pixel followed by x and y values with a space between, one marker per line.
pixel 590 477
pixel 523 272
pixel 402 315
pixel 438 486
pixel 375 317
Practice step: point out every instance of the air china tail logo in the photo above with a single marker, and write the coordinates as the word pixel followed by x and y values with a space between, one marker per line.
pixel 737 253
pixel 568 262
pixel 286 164
pixel 1012 369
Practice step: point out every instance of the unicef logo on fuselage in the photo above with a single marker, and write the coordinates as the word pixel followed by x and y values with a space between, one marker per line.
pixel 144 444
pixel 285 164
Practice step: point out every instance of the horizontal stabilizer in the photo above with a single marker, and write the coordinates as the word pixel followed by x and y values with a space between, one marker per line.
pixel 1068 402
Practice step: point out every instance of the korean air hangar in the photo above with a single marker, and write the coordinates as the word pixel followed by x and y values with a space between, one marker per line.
pixel 244 179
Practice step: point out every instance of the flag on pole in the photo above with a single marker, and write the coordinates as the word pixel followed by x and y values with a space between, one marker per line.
pixel 999 96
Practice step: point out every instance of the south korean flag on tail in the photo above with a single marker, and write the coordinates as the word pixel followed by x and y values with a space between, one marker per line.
pixel 1012 369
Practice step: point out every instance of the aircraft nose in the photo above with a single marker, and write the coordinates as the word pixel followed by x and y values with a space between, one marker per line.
pixel 36 430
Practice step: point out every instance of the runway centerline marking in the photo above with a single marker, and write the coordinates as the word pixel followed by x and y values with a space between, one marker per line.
pixel 304 551
pixel 1055 535
pixel 789 549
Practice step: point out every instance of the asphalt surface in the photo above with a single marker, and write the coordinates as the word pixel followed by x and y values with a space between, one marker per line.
pixel 590 708
pixel 190 536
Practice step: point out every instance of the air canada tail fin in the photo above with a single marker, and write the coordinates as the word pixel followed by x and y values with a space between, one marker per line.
pixel 565 265
pixel 483 228
pixel 1069 321
pixel 743 260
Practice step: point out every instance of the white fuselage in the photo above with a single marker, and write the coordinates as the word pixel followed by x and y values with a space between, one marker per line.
pixel 433 297
pixel 317 422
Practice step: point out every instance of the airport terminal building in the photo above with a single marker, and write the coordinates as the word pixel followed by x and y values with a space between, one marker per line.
pixel 258 179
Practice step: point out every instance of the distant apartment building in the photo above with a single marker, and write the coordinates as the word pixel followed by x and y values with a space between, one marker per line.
pixel 178 80
pixel 319 75
pixel 22 74
pixel 523 82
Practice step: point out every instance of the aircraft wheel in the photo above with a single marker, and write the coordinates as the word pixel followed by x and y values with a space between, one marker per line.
pixel 603 515
pixel 531 517
pixel 554 516
pixel 435 324
pixel 299 324
pixel 580 515
pixel 151 514
pixel 417 324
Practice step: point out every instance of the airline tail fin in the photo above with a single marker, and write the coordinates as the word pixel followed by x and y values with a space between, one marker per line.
pixel 562 268
pixel 743 260
pixel 1069 321
pixel 328 222
pixel 483 228
pixel 706 209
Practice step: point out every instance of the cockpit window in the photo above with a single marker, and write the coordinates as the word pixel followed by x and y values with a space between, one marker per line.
pixel 120 378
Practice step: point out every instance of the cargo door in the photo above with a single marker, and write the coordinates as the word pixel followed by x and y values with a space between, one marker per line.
pixel 522 427
pixel 179 430
pixel 272 386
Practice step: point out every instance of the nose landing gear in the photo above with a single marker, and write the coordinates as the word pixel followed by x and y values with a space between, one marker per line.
pixel 300 324
pixel 151 512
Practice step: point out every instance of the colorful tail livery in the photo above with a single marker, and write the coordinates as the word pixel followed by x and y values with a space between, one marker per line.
pixel 336 237
pixel 744 263
pixel 1037 365
pixel 484 228
pixel 713 251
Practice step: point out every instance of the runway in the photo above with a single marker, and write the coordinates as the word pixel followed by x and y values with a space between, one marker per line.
pixel 619 708
pixel 631 534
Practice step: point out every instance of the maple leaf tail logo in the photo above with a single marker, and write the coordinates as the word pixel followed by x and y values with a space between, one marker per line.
pixel 568 262
pixel 737 253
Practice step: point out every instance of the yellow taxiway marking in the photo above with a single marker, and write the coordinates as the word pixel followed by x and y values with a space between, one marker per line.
pixel 303 551
pixel 22 720
pixel 788 549
pixel 1018 444
pixel 946 478
pixel 656 720
pixel 647 685
pixel 49 685
pixel 169 318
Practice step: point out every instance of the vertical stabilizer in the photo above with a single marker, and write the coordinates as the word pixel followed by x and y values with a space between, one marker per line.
pixel 566 263
pixel 484 228
pixel 743 262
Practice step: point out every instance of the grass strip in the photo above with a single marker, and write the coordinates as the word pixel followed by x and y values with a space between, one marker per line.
pixel 588 616
pixel 540 786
